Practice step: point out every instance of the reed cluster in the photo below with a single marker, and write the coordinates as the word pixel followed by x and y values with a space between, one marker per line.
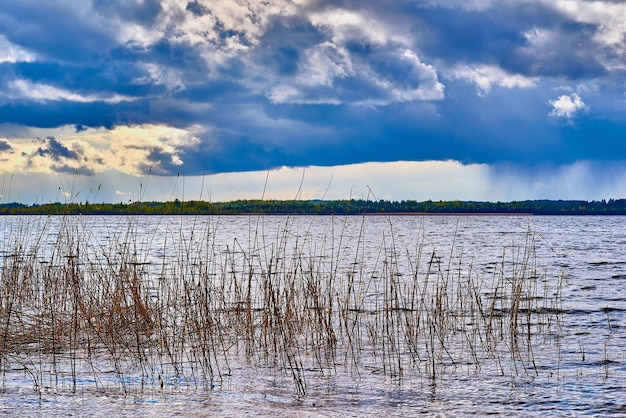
pixel 129 310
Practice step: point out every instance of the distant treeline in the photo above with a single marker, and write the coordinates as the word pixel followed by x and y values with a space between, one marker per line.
pixel 322 207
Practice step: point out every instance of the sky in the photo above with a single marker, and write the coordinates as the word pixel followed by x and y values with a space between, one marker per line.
pixel 490 100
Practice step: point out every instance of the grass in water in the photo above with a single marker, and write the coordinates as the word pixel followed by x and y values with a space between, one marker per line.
pixel 82 306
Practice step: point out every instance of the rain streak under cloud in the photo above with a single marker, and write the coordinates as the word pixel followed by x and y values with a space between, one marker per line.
pixel 430 99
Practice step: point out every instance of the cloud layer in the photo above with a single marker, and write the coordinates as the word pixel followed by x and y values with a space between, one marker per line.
pixel 163 87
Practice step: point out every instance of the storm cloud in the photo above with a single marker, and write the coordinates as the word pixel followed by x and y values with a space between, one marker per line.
pixel 206 87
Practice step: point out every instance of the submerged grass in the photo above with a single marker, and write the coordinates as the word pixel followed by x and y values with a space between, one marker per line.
pixel 82 307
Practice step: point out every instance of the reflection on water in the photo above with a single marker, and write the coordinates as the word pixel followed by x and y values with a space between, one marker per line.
pixel 571 361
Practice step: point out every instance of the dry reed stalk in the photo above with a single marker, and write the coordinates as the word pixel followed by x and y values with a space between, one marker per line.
pixel 301 306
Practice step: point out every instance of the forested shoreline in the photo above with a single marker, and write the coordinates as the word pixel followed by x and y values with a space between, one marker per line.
pixel 322 207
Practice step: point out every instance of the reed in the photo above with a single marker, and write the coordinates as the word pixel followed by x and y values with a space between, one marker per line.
pixel 80 306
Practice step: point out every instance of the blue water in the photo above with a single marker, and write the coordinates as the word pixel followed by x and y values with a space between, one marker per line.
pixel 580 364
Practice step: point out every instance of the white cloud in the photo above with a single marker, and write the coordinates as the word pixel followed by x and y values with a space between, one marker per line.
pixel 567 107
pixel 326 65
pixel 126 149
pixel 428 88
pixel 486 76
pixel 610 16
pixel 225 33
pixel 227 30
pixel 13 53
pixel 348 25
pixel 25 89
pixel 170 78
pixel 244 22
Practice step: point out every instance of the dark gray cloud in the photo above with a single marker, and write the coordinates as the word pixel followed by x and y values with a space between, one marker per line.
pixel 532 39
pixel 81 170
pixel 160 162
pixel 5 147
pixel 58 113
pixel 568 51
pixel 56 151
pixel 55 30
pixel 145 12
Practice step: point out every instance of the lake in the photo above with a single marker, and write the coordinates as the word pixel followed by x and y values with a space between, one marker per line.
pixel 313 315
